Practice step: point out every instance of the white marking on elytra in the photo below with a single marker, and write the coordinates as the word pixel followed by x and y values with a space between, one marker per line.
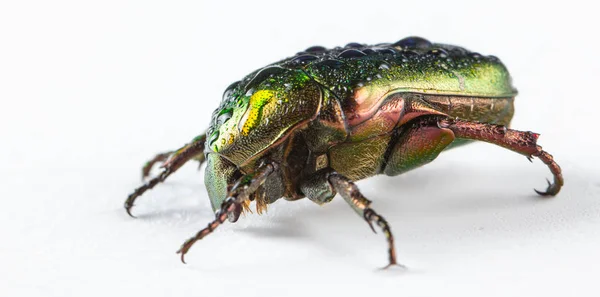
pixel 472 105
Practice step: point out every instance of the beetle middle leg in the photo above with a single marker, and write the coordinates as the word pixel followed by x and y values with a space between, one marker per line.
pixel 322 187
pixel 239 193
pixel 192 150
pixel 518 141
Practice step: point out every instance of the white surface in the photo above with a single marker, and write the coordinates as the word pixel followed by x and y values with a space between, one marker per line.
pixel 91 90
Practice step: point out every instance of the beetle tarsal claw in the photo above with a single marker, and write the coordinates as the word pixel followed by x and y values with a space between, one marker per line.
pixel 394 265
pixel 128 209
pixel 550 191
pixel 172 161
pixel 221 215
pixel 184 249
pixel 372 228
pixel 162 157
pixel 368 217
pixel 129 204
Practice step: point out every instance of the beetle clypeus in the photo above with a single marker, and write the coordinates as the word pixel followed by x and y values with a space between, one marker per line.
pixel 313 124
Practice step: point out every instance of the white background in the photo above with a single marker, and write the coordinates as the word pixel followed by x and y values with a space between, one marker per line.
pixel 90 90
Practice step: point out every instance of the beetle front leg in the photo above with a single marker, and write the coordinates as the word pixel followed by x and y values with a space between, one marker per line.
pixel 238 194
pixel 322 187
pixel 193 150
pixel 165 156
pixel 518 141
pixel 159 158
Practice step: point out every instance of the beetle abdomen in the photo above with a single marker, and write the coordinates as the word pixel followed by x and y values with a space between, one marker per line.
pixel 381 137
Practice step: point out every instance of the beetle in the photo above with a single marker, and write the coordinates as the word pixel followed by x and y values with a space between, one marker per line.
pixel 313 124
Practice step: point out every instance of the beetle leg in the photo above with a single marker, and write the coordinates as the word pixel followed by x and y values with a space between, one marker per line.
pixel 162 157
pixel 238 194
pixel 193 150
pixel 159 158
pixel 518 141
pixel 334 182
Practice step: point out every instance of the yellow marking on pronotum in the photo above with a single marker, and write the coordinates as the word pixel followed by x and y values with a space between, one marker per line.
pixel 254 113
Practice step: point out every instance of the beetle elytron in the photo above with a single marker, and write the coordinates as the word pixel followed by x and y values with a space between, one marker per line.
pixel 313 124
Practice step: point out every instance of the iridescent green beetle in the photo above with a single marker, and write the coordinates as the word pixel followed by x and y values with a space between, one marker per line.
pixel 313 124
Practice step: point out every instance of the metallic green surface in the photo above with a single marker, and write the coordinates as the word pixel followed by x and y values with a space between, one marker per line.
pixel 417 146
pixel 313 124
pixel 219 174
pixel 340 98
pixel 432 74
pixel 359 160
pixel 255 116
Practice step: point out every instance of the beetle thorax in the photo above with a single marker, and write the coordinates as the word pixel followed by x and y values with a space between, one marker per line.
pixel 255 117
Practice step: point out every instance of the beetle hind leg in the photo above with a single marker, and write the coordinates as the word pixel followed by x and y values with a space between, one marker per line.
pixel 518 141
pixel 323 186
pixel 553 188
pixel 174 160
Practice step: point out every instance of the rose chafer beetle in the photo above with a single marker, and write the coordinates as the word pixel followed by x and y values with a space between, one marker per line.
pixel 313 124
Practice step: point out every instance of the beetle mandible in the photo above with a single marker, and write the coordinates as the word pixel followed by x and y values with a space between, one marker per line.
pixel 313 124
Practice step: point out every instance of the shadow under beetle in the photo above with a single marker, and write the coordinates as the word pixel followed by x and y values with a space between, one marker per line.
pixel 313 124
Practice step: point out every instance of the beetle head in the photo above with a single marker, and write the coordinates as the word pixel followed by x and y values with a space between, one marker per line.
pixel 220 175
